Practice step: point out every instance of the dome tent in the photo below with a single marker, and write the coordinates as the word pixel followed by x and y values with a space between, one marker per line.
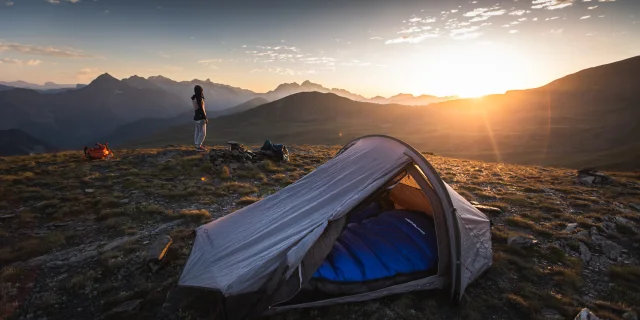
pixel 263 258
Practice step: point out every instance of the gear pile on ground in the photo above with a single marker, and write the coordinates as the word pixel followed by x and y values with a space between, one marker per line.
pixel 235 156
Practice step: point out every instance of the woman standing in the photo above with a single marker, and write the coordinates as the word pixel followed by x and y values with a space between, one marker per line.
pixel 200 118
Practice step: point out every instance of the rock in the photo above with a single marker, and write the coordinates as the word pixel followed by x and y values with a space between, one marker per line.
pixel 609 227
pixel 234 166
pixel 521 242
pixel 571 227
pixel 585 254
pixel 591 176
pixel 551 314
pixel 635 206
pixel 89 190
pixel 630 316
pixel 7 216
pixel 159 248
pixel 583 234
pixel 124 201
pixel 487 209
pixel 611 250
pixel 81 228
pixel 625 223
pixel 125 308
pixel 585 314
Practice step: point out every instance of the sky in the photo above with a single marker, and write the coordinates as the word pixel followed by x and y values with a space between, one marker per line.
pixel 369 47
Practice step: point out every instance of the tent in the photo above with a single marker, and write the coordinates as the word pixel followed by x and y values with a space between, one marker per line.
pixel 303 246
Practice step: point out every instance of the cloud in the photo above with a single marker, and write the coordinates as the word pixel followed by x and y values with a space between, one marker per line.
pixel 517 12
pixel 479 18
pixel 45 51
pixel 413 39
pixel 9 3
pixel 494 13
pixel 410 30
pixel 210 63
pixel 375 38
pixel 30 63
pixel 284 71
pixel 58 1
pixel 591 8
pixel 585 17
pixel 513 31
pixel 556 31
pixel 475 12
pixel 356 63
pixel 551 4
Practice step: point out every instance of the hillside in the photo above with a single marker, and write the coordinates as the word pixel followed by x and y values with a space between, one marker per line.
pixel 79 233
pixel 585 119
pixel 73 118
pixel 15 142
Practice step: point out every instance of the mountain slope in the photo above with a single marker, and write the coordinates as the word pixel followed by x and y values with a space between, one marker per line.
pixel 14 142
pixel 6 88
pixel 76 117
pixel 46 86
pixel 587 118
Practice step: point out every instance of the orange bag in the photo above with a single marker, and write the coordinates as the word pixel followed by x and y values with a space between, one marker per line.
pixel 100 151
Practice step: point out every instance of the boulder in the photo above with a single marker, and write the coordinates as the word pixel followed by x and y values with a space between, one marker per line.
pixel 127 308
pixel 591 176
pixel 608 227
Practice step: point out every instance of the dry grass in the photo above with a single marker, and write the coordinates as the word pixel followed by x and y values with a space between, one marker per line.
pixel 536 202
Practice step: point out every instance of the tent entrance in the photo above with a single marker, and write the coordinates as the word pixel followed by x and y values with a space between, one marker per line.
pixel 391 240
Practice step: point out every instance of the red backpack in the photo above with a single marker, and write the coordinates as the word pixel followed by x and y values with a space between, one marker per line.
pixel 100 151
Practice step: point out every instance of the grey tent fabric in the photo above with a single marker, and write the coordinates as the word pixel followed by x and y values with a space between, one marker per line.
pixel 253 249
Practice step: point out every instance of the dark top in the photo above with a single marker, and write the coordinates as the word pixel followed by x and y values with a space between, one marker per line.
pixel 198 105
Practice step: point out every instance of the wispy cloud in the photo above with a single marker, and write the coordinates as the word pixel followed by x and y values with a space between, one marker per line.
pixel 513 31
pixel 585 17
pixel 164 55
pixel 591 8
pixel 517 12
pixel 210 63
pixel 8 3
pixel 375 38
pixel 45 51
pixel 356 63
pixel 58 1
pixel 284 71
pixel 551 4
pixel 30 63
pixel 413 39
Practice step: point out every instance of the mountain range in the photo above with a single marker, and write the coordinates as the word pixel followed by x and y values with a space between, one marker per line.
pixel 108 108
pixel 586 118
pixel 14 142
pixel 589 118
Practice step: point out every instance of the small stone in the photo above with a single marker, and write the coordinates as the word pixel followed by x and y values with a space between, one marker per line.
pixel 585 254
pixel 487 209
pixel 127 307
pixel 520 241
pixel 81 228
pixel 571 227
pixel 124 201
pixel 586 314
pixel 7 216
pixel 611 250
pixel 609 227
pixel 89 190
pixel 551 314
pixel 630 316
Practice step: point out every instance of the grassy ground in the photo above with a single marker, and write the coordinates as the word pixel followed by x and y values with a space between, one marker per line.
pixel 50 203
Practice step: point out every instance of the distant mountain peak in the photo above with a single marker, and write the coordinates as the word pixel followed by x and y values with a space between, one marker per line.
pixel 104 79
pixel 308 83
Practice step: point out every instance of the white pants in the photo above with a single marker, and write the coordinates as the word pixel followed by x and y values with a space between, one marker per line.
pixel 200 133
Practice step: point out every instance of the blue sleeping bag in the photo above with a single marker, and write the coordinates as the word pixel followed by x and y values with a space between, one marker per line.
pixel 394 242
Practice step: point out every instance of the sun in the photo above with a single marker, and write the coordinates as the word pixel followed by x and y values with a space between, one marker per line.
pixel 468 72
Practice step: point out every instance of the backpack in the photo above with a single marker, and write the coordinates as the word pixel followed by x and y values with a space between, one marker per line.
pixel 278 151
pixel 100 151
